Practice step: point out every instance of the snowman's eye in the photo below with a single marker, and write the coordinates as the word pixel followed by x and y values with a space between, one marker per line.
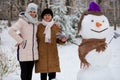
pixel 92 20
pixel 103 21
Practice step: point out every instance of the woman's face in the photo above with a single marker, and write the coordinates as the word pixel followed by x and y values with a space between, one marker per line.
pixel 33 14
pixel 47 17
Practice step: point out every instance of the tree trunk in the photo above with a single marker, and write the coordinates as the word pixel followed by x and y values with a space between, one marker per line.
pixel 10 14
pixel 74 6
pixel 68 4
pixel 46 3
pixel 114 15
pixel 40 9
pixel 99 1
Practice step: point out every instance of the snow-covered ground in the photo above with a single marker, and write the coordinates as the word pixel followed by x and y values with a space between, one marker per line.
pixel 69 60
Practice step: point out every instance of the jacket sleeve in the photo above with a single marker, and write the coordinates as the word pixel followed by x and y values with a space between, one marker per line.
pixel 13 31
pixel 37 33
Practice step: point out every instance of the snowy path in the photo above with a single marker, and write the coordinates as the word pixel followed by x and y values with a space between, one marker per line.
pixel 69 61
pixel 115 61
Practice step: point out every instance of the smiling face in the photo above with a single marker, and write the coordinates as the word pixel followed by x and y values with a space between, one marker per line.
pixel 47 17
pixel 32 14
pixel 93 26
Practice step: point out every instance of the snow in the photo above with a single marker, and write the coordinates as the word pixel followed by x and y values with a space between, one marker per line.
pixel 69 60
pixel 109 71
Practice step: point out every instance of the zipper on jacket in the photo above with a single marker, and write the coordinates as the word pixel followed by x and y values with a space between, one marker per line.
pixel 33 41
pixel 18 53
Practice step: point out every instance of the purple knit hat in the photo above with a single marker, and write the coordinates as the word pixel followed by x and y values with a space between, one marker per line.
pixel 93 6
pixel 94 9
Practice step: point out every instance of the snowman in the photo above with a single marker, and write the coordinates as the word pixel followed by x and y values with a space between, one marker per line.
pixel 94 50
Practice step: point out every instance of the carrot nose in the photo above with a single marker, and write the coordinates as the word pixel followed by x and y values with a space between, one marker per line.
pixel 98 24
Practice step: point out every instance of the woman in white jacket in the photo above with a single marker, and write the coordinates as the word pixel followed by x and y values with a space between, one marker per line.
pixel 27 51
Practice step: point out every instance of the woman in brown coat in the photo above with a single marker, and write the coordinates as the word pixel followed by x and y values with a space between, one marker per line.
pixel 48 63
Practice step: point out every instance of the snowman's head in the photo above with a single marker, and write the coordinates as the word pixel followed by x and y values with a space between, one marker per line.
pixel 94 24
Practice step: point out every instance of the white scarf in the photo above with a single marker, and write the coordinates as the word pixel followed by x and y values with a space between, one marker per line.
pixel 31 19
pixel 47 31
pixel 28 18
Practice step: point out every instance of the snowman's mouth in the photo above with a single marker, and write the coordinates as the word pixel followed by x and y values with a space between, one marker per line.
pixel 99 31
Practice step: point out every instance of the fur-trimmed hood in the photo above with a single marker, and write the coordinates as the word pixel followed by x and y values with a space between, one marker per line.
pixel 28 18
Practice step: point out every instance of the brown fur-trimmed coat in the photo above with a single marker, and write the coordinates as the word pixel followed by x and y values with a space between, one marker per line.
pixel 48 52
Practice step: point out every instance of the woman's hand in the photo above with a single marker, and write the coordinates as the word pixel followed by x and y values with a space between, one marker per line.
pixel 17 44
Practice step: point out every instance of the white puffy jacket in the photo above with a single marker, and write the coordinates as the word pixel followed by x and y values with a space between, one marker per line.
pixel 27 51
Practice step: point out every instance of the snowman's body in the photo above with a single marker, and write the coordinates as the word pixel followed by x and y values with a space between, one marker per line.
pixel 97 27
pixel 90 30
